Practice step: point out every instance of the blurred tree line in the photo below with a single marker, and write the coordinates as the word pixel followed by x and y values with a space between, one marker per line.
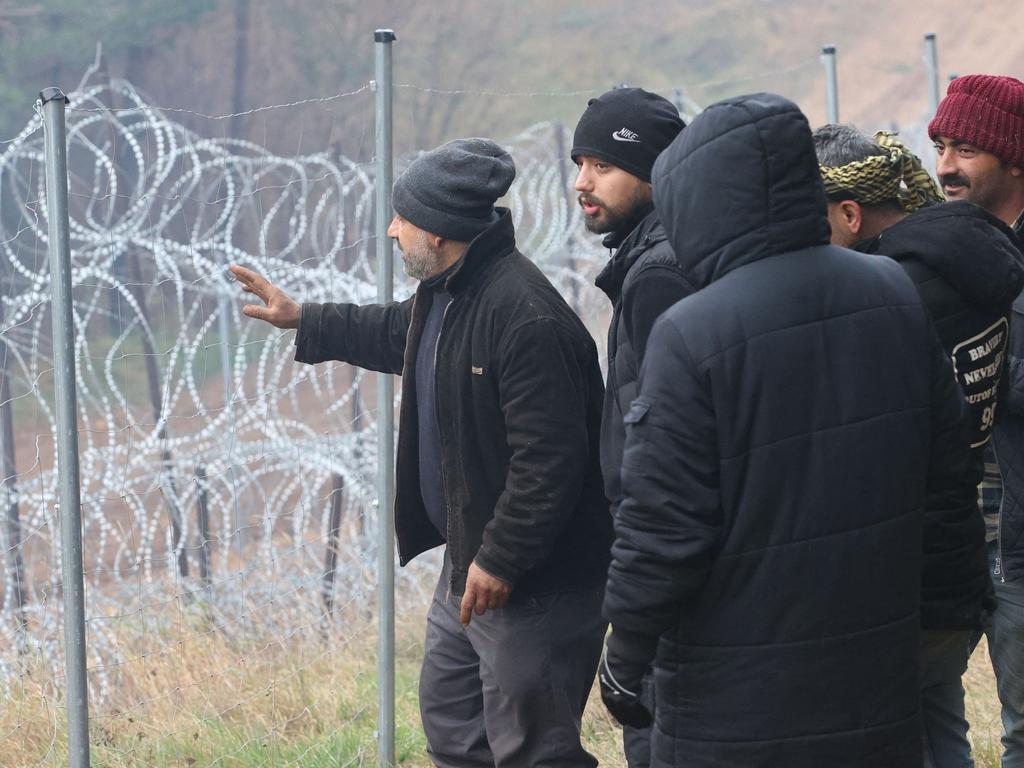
pixel 222 57
pixel 468 67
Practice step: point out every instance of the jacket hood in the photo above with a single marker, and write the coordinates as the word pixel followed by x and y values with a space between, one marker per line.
pixel 740 184
pixel 975 252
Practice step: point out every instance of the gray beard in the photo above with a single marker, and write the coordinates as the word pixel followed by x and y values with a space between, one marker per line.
pixel 421 263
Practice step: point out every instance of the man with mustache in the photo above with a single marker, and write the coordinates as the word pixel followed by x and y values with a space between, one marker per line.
pixel 968 271
pixel 615 144
pixel 978 132
pixel 497 459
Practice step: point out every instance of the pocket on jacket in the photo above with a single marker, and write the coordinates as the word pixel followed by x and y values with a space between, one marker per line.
pixel 637 411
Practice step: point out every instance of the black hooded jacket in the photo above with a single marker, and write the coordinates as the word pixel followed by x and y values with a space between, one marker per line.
pixel 796 417
pixel 1009 448
pixel 968 270
pixel 518 409
pixel 642 279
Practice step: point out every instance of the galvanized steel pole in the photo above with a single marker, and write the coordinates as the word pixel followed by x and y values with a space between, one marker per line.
pixel 53 101
pixel 828 55
pixel 385 411
pixel 931 60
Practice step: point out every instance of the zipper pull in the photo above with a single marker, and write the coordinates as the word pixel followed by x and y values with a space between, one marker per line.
pixel 998 570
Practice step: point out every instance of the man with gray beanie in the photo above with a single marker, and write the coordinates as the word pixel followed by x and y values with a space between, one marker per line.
pixel 497 459
pixel 616 142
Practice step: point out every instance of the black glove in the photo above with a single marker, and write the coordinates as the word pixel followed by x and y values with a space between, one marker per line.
pixel 626 659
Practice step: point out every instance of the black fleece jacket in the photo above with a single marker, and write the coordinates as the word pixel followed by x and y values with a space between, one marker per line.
pixel 518 409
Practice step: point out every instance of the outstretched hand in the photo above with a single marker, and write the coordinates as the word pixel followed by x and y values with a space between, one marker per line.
pixel 281 310
pixel 483 591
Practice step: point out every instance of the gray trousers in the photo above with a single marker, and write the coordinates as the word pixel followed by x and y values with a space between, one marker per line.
pixel 509 689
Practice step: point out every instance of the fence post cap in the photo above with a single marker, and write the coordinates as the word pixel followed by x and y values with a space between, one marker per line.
pixel 49 94
pixel 384 36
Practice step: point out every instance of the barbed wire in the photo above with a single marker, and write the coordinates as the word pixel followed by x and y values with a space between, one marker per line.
pixel 217 474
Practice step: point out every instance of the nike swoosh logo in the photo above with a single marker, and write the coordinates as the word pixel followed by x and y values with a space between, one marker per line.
pixel 619 136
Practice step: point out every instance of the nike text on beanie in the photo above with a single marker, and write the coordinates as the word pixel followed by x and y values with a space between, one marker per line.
pixel 450 191
pixel 985 111
pixel 627 127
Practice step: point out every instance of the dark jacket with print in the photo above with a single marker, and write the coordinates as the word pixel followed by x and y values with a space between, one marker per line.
pixel 518 403
pixel 642 279
pixel 1009 446
pixel 796 417
pixel 968 270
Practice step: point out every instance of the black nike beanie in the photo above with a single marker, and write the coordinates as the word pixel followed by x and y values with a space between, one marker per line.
pixel 627 127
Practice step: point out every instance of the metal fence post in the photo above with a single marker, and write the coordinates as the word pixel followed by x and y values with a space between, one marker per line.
pixel 8 482
pixel 562 157
pixel 931 60
pixel 53 101
pixel 203 525
pixel 331 550
pixel 385 409
pixel 828 55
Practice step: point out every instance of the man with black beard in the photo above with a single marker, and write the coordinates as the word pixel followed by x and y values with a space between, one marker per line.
pixel 615 145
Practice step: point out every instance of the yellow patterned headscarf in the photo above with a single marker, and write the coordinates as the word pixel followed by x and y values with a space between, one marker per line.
pixel 897 175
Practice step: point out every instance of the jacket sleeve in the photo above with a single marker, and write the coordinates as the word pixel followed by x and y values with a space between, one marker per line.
pixel 654 289
pixel 955 578
pixel 543 396
pixel 371 336
pixel 670 522
pixel 1015 365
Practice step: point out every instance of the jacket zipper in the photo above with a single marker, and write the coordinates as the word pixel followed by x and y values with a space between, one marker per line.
pixel 444 482
pixel 999 518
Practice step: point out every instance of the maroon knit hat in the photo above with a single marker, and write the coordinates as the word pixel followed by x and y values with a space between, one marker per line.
pixel 986 111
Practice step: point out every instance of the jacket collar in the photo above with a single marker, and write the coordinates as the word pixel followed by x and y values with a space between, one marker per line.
pixel 646 232
pixel 495 242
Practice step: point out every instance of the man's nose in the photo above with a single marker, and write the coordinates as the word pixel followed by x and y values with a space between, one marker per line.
pixel 393 227
pixel 583 181
pixel 945 164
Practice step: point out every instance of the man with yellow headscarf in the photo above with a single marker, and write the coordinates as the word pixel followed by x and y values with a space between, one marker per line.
pixel 968 270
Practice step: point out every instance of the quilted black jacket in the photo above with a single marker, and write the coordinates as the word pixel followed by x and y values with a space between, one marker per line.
pixel 796 417
pixel 1009 445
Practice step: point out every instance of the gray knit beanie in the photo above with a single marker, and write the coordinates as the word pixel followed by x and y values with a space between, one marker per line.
pixel 450 191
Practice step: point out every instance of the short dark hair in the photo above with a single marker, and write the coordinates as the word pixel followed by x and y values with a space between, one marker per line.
pixel 836 145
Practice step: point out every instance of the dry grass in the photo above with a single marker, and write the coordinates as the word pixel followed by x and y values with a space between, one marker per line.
pixel 203 699
pixel 983 709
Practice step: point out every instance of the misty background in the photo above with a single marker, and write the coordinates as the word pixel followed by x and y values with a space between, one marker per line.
pixel 479 67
